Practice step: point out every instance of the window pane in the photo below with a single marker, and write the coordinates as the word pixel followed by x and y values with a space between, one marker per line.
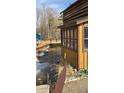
pixel 68 43
pixel 68 34
pixel 65 34
pixel 71 44
pixel 85 37
pixel 86 32
pixel 65 42
pixel 75 44
pixel 85 43
pixel 71 33
pixel 75 33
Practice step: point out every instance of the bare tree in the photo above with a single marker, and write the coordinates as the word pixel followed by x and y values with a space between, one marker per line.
pixel 37 16
pixel 48 22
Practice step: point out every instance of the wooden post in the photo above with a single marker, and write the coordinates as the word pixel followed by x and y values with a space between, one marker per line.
pixel 80 47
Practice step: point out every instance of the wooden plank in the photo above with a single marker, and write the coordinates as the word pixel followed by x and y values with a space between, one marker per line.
pixel 79 9
pixel 86 60
pixel 80 15
pixel 75 14
pixel 75 5
pixel 80 47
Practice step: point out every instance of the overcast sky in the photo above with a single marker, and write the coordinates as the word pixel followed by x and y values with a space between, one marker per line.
pixel 60 5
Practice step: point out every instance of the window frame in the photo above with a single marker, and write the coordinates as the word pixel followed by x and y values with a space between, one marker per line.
pixel 85 38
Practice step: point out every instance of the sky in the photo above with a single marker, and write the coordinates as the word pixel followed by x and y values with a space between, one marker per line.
pixel 60 5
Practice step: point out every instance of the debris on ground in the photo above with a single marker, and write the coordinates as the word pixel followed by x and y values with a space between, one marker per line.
pixel 54 72
pixel 52 56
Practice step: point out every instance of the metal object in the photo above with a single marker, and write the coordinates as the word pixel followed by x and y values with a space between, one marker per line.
pixel 60 81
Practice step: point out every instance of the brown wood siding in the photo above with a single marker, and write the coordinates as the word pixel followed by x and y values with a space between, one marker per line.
pixel 72 33
pixel 77 11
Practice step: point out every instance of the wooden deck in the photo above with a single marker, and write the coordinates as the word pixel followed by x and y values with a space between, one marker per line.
pixel 47 43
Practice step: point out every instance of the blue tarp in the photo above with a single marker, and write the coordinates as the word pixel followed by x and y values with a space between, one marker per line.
pixel 38 36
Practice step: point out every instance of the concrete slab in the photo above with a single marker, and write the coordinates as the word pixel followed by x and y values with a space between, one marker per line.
pixel 76 86
pixel 42 89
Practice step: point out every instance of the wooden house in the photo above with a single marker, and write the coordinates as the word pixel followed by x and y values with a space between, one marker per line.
pixel 74 34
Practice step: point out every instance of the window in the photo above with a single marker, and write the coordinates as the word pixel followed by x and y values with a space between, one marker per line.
pixel 75 33
pixel 63 33
pixel 86 32
pixel 75 38
pixel 71 38
pixel 85 37
pixel 68 39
